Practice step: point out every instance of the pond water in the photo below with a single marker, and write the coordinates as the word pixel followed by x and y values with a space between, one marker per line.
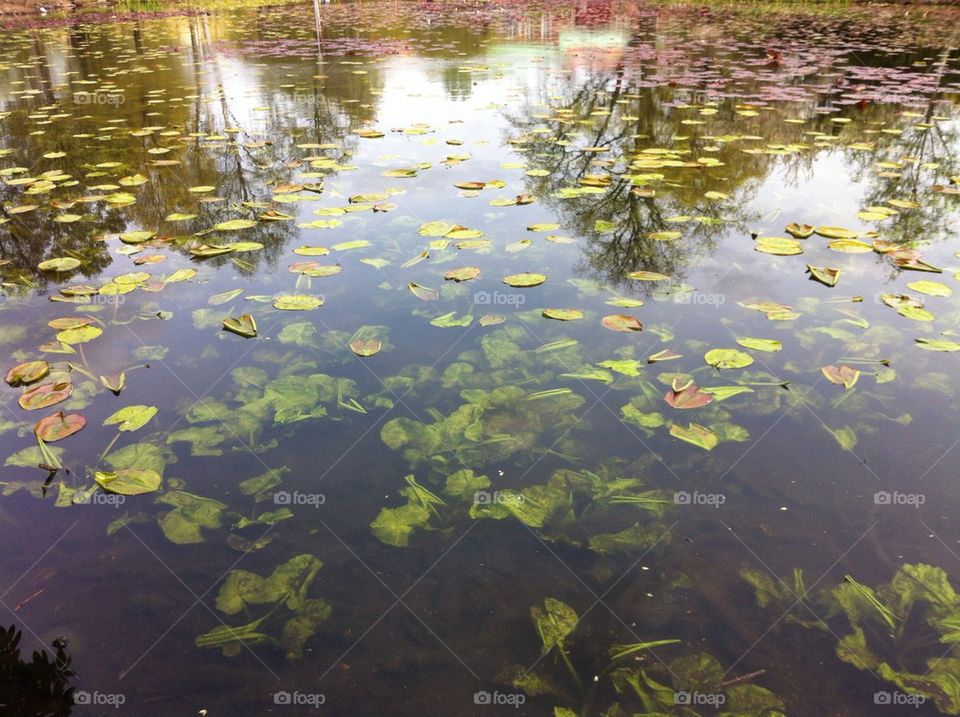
pixel 540 396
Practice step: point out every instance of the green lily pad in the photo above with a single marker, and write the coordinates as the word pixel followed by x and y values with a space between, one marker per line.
pixel 128 481
pixel 524 280
pixel 65 263
pixel 727 358
pixel 562 314
pixel 297 302
pixel 131 418
pixel 244 325
pixel 696 434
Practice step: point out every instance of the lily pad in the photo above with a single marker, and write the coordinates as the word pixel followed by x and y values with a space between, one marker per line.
pixel 26 373
pixel 524 280
pixel 65 263
pixel 131 418
pixel 367 347
pixel 128 481
pixel 465 273
pixel 727 358
pixel 696 434
pixel 622 323
pixel 297 302
pixel 244 325
pixel 58 426
pixel 562 314
pixel 47 394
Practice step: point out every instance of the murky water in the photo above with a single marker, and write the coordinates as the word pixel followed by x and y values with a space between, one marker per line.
pixel 437 467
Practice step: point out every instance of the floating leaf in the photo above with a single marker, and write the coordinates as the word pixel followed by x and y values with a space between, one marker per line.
pixel 244 325
pixel 938 345
pixel 79 335
pixel 695 434
pixel 524 280
pixel 850 246
pixel 779 246
pixel 836 232
pixel 930 288
pixel 800 231
pixel 687 397
pixel 463 274
pixel 235 225
pixel 26 373
pixel 563 314
pixel 423 293
pixel 622 323
pixel 367 347
pixel 825 275
pixel 760 344
pixel 131 418
pixel 297 302
pixel 128 481
pixel 647 276
pixel 47 394
pixel 843 375
pixel 58 426
pixel 727 358
pixel 66 263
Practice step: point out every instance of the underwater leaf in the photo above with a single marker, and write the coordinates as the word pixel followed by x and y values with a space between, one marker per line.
pixel 190 514
pixel 554 621
pixel 393 526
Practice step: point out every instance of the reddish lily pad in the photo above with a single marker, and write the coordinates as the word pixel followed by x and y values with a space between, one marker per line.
pixel 26 373
pixel 58 426
pixel 47 394
pixel 366 347
pixel 841 375
pixel 622 323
